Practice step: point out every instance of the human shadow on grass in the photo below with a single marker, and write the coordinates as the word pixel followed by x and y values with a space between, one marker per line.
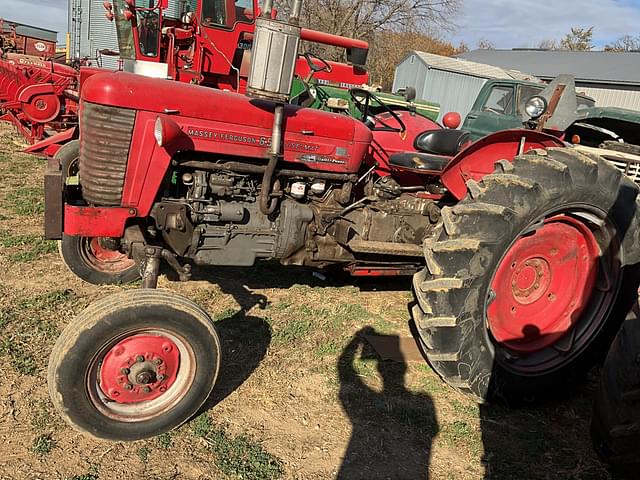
pixel 392 429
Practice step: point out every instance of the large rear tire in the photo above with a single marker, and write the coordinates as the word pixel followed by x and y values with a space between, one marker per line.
pixel 529 276
pixel 134 365
pixel 615 426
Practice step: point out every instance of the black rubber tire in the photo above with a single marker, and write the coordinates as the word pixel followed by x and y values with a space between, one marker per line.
pixel 69 153
pixel 76 351
pixel 452 292
pixel 71 247
pixel 72 250
pixel 615 426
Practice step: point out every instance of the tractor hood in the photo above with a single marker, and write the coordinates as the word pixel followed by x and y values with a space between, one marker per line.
pixel 226 123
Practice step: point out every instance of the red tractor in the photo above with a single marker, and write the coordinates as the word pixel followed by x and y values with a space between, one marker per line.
pixel 523 251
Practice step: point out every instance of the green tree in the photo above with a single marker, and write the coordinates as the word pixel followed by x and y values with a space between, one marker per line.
pixel 578 40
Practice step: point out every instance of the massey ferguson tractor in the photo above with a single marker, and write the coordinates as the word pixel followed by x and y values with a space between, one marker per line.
pixel 523 251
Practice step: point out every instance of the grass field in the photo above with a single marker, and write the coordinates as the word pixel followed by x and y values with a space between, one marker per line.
pixel 300 394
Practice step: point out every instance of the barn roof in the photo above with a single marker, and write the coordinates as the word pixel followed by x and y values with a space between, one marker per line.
pixel 466 67
pixel 591 67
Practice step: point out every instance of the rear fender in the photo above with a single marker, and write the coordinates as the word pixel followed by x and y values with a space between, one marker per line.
pixel 479 158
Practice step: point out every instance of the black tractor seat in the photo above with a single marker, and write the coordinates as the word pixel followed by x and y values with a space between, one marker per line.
pixel 424 163
pixel 442 141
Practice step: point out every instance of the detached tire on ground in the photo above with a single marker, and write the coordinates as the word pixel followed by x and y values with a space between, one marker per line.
pixel 134 365
pixel 530 275
pixel 615 426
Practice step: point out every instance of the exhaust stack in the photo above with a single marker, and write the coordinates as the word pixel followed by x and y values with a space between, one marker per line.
pixel 274 55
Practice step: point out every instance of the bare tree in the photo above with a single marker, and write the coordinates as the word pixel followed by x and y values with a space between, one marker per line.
pixel 548 44
pixel 362 18
pixel 626 43
pixel 484 44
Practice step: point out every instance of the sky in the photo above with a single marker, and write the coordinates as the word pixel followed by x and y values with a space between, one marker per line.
pixel 504 23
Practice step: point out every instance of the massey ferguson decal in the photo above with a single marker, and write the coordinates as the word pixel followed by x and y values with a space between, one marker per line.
pixel 230 137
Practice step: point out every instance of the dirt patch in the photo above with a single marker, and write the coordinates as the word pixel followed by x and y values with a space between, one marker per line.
pixel 301 394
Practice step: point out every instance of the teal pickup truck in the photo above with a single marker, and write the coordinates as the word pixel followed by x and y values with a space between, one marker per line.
pixel 500 106
pixel 613 133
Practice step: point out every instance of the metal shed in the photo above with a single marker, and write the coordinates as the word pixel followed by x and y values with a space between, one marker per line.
pixel 91 32
pixel 611 78
pixel 451 82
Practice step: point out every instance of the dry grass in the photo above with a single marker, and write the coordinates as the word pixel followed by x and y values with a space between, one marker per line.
pixel 300 395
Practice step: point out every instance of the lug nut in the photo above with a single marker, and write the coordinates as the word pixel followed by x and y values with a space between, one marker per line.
pixel 158 361
pixel 125 371
pixel 146 390
pixel 140 358
pixel 162 377
pixel 128 386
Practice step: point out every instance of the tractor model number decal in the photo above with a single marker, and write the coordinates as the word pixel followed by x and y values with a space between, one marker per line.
pixel 320 159
pixel 229 137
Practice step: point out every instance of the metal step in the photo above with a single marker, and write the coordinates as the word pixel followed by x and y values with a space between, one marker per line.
pixel 386 248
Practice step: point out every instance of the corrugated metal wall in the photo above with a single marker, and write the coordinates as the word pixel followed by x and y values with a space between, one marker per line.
pixel 454 92
pixel 94 32
pixel 611 97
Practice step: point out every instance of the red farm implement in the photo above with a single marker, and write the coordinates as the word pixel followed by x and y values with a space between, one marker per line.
pixel 37 96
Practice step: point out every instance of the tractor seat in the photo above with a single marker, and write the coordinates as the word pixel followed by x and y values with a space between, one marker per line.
pixel 419 162
pixel 442 141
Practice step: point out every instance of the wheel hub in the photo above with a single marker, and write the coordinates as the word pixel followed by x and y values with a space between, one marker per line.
pixel 543 284
pixel 139 368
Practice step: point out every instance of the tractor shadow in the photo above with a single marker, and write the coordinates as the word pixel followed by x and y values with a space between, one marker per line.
pixel 271 274
pixel 544 440
pixel 244 341
pixel 245 338
pixel 392 427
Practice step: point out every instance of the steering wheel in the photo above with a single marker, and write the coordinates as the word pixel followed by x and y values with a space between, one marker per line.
pixel 325 67
pixel 362 99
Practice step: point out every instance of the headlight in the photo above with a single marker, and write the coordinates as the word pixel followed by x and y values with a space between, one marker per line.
pixel 535 107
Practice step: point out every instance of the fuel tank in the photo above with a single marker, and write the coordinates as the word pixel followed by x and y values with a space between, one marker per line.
pixel 227 123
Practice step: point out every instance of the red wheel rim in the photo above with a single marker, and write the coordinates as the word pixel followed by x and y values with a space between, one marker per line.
pixel 104 259
pixel 141 374
pixel 543 285
pixel 139 368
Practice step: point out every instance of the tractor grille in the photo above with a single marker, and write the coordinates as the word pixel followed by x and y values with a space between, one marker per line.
pixel 104 150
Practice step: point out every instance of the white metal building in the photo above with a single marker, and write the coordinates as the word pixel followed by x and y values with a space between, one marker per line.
pixel 612 79
pixel 452 82
pixel 90 33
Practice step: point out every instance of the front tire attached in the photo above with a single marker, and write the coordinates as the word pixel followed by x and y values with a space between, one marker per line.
pixel 134 365
pixel 93 260
pixel 530 275
pixel 98 261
